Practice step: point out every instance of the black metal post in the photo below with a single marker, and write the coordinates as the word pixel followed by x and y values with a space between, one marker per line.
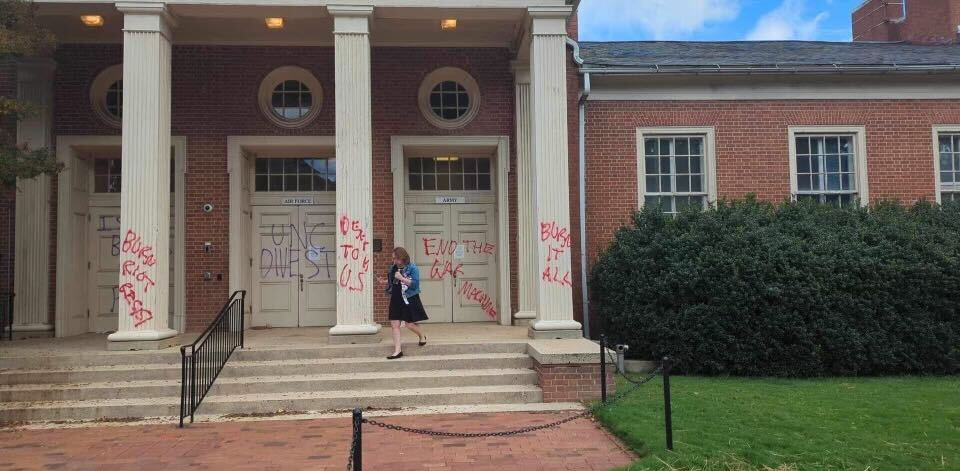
pixel 183 383
pixel 603 368
pixel 193 381
pixel 243 311
pixel 667 412
pixel 358 438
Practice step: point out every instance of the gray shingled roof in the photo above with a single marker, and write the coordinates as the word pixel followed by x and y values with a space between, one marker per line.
pixel 673 54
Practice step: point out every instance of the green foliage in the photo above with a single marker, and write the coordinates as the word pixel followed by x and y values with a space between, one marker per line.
pixel 797 289
pixel 746 424
pixel 20 35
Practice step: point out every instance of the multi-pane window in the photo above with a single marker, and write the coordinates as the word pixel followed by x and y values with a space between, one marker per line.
pixel 106 175
pixel 949 167
pixel 826 169
pixel 113 101
pixel 449 173
pixel 449 100
pixel 291 100
pixel 674 172
pixel 300 174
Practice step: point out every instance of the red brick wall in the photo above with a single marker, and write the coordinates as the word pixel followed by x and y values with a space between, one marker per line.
pixel 752 148
pixel 572 383
pixel 215 96
pixel 927 21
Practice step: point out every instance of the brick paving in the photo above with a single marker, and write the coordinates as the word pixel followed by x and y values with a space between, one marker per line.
pixel 318 444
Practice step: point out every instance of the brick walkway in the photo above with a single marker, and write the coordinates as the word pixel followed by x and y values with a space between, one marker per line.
pixel 319 444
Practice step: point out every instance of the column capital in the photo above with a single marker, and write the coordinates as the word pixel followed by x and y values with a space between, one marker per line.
pixel 35 69
pixel 549 20
pixel 350 19
pixel 521 72
pixel 151 17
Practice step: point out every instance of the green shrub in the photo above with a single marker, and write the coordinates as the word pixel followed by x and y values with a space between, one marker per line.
pixel 796 289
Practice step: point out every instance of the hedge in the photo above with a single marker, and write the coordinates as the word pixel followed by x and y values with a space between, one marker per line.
pixel 791 290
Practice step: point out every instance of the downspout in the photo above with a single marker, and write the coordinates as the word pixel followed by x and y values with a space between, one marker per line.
pixel 582 187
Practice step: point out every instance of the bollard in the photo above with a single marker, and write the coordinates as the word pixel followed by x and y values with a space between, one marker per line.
pixel 621 354
pixel 358 438
pixel 667 413
pixel 603 368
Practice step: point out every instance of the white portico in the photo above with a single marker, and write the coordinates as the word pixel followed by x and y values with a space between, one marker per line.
pixel 533 33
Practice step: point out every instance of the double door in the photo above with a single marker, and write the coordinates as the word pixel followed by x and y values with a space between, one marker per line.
pixel 294 263
pixel 454 245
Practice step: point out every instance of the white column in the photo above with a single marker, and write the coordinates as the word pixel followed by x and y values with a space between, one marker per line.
pixel 548 58
pixel 355 289
pixel 526 195
pixel 32 234
pixel 144 287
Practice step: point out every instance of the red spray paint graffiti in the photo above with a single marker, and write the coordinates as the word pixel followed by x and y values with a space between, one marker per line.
pixel 441 249
pixel 354 253
pixel 557 240
pixel 470 292
pixel 137 271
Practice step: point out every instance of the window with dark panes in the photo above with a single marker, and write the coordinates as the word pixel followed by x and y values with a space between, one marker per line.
pixel 106 175
pixel 295 174
pixel 449 174
pixel 949 150
pixel 674 172
pixel 826 169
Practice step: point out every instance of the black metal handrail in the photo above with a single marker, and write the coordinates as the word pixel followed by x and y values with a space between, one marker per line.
pixel 202 360
pixel 6 319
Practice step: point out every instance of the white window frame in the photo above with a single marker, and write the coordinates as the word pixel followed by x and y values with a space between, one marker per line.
pixel 451 74
pixel 98 94
pixel 859 134
pixel 280 75
pixel 709 152
pixel 937 130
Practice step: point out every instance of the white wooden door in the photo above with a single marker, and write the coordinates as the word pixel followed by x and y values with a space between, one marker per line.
pixel 454 247
pixel 295 265
pixel 474 258
pixel 103 268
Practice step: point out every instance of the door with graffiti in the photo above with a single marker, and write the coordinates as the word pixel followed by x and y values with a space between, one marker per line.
pixel 294 263
pixel 103 267
pixel 455 247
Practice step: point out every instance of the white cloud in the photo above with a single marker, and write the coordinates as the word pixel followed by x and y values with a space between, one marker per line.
pixel 662 19
pixel 787 22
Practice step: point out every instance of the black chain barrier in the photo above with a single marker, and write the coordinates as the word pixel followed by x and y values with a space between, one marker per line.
pixel 356 447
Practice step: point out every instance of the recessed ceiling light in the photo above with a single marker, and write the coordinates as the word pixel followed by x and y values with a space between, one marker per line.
pixel 92 20
pixel 447 158
pixel 448 24
pixel 274 23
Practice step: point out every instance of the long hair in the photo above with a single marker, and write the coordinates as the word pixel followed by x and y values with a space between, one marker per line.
pixel 401 254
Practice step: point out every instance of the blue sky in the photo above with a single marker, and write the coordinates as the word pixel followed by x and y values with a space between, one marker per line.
pixel 716 20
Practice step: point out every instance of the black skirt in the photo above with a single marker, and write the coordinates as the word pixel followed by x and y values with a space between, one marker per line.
pixel 401 311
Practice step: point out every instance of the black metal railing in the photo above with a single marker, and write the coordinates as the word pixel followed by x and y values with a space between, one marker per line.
pixel 6 316
pixel 202 360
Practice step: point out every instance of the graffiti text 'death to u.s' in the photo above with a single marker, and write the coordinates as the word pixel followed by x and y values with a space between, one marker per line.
pixel 353 250
pixel 556 240
pixel 289 244
pixel 136 277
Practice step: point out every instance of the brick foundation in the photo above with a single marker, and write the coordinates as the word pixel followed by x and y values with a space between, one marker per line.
pixel 572 382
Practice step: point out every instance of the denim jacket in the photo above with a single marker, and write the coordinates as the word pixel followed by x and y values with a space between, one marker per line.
pixel 410 271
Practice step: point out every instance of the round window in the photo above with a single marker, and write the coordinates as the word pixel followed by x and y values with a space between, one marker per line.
pixel 290 97
pixel 449 98
pixel 106 95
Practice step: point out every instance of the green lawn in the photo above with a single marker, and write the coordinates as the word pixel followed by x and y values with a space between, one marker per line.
pixel 831 424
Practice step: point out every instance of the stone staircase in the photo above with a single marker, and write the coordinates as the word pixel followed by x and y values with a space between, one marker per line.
pixel 267 380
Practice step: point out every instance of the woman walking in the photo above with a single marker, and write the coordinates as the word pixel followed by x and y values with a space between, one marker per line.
pixel 403 286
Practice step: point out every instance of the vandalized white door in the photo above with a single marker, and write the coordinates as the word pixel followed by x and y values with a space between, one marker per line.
pixel 455 247
pixel 294 263
pixel 103 268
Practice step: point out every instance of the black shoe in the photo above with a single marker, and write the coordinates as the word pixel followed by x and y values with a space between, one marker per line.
pixel 423 341
pixel 394 357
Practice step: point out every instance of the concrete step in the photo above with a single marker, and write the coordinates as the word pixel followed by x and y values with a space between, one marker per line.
pixel 270 384
pixel 234 368
pixel 270 403
pixel 266 353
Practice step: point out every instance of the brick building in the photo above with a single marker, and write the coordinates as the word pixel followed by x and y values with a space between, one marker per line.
pixel 286 149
